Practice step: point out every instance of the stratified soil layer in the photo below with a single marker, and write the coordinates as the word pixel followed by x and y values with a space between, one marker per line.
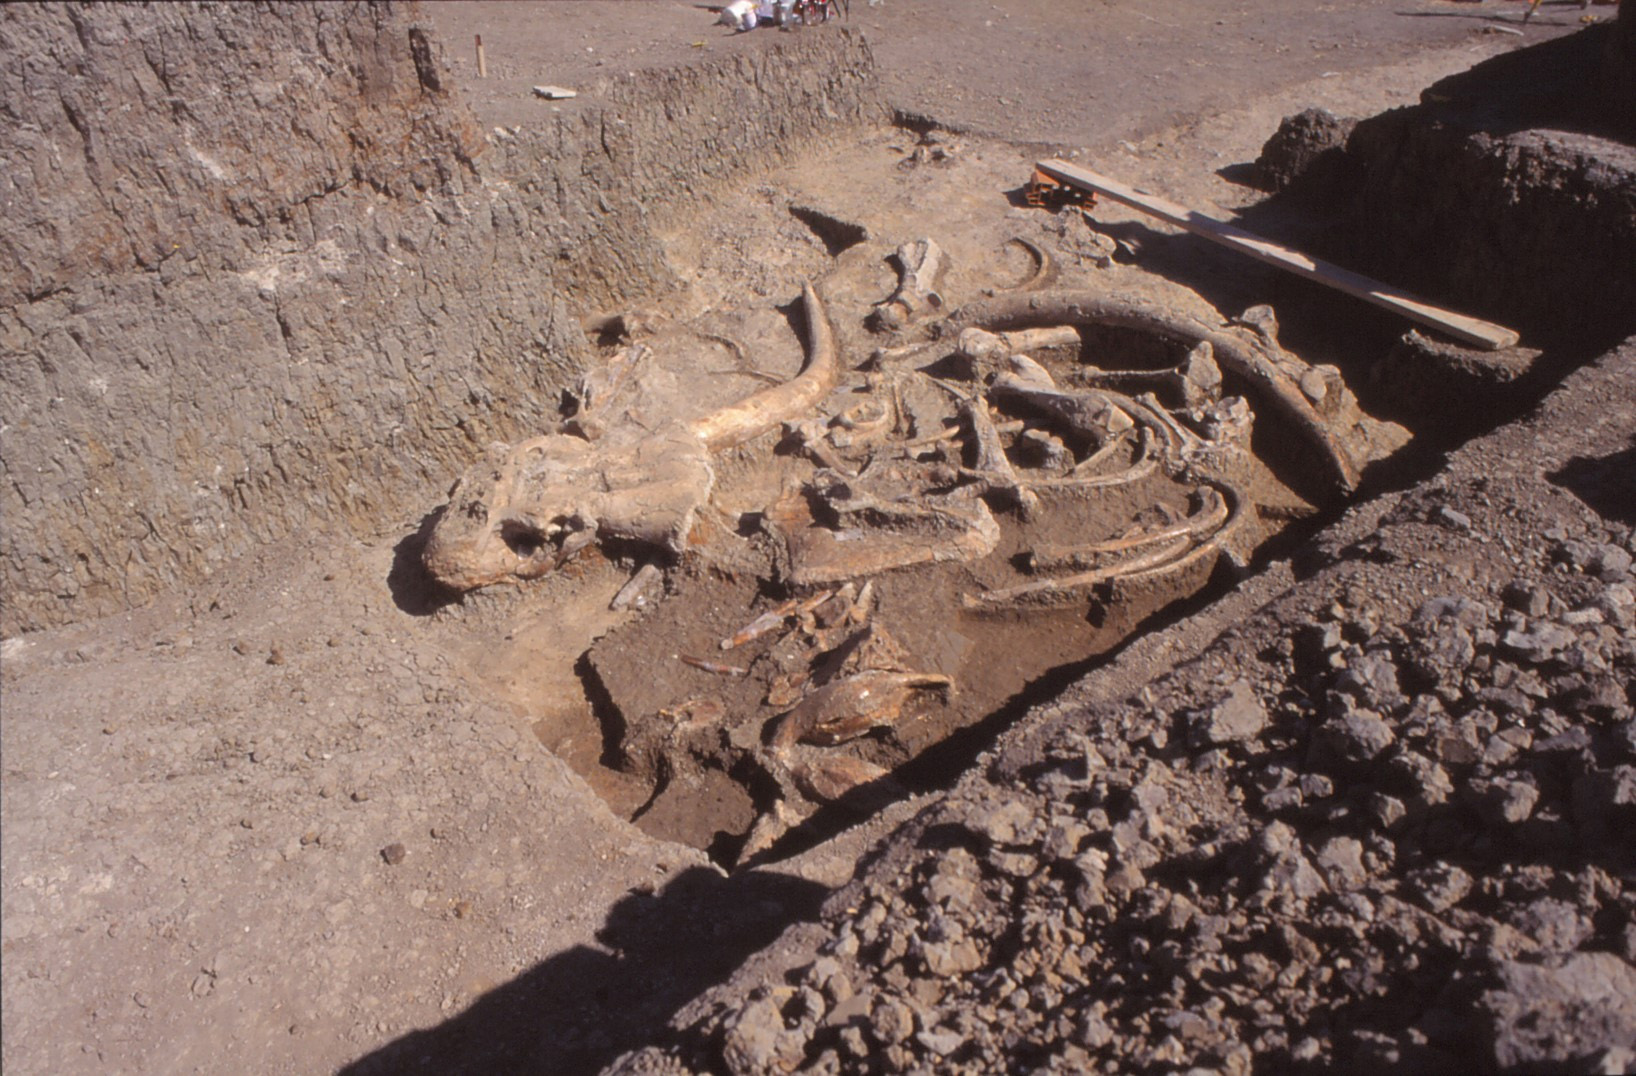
pixel 304 289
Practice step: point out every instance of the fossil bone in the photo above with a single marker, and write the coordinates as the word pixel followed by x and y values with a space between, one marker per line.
pixel 1212 513
pixel 1194 382
pixel 716 668
pixel 634 592
pixel 1045 269
pixel 1344 443
pixel 843 710
pixel 1184 551
pixel 991 459
pixel 1095 417
pixel 518 514
pixel 863 534
pixel 828 778
pixel 774 618
pixel 921 264
pixel 975 343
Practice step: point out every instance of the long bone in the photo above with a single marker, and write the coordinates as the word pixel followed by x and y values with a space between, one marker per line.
pixel 1231 350
pixel 991 459
pixel 520 513
pixel 1212 514
pixel 1174 556
pixel 921 265
pixel 1195 381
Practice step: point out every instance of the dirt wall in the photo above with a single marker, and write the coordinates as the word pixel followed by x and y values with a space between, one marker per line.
pixel 262 275
pixel 1510 191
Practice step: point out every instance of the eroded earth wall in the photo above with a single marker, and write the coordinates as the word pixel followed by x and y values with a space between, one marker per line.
pixel 263 275
pixel 1510 190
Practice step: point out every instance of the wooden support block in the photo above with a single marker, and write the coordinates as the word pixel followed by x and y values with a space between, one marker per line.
pixel 1468 330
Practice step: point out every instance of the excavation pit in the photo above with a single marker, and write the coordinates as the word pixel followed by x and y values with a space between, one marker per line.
pixel 953 524
pixel 250 347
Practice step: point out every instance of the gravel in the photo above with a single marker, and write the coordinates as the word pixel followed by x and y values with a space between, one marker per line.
pixel 1394 835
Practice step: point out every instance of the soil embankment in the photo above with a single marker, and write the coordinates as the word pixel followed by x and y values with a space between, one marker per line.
pixel 266 277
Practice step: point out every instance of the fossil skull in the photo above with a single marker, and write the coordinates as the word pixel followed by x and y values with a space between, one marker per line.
pixel 526 509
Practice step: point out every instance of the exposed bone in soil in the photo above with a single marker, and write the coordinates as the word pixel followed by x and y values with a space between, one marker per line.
pixel 988 559
pixel 277 286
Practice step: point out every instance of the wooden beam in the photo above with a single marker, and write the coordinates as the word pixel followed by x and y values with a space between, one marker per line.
pixel 1468 330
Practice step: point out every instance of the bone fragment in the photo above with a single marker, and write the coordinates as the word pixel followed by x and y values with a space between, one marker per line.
pixel 786 690
pixel 772 824
pixel 695 712
pixel 825 780
pixel 980 344
pixel 846 709
pixel 1014 426
pixel 634 591
pixel 1228 422
pixel 713 666
pixel 771 620
pixel 868 417
pixel 1027 370
pixel 921 264
pixel 812 437
pixel 1199 370
pixel 1051 450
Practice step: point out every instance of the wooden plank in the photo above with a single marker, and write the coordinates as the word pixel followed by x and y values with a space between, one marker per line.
pixel 1468 330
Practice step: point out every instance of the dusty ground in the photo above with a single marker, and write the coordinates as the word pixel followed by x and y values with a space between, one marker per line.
pixel 296 813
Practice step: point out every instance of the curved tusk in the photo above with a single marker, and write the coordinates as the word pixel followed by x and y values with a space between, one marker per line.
pixel 1232 353
pixel 764 411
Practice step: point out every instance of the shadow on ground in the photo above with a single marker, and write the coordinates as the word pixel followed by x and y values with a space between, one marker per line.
pixel 413 590
pixel 578 1010
pixel 1606 483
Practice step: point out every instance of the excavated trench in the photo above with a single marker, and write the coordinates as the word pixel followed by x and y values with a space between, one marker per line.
pixel 957 532
pixel 858 575
pixel 235 339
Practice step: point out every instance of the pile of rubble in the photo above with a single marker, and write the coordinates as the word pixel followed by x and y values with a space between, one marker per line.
pixel 1383 822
